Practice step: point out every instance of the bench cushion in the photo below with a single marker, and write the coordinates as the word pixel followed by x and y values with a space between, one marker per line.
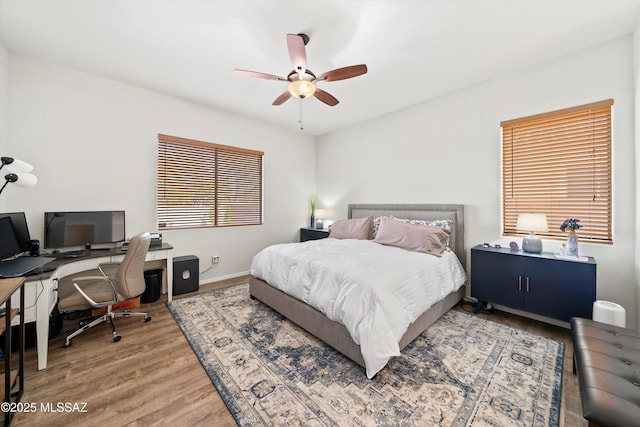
pixel 607 361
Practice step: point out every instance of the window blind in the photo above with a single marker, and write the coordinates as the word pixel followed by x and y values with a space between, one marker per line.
pixel 201 184
pixel 559 164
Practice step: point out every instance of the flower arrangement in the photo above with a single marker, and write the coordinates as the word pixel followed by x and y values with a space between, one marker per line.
pixel 570 224
pixel 312 222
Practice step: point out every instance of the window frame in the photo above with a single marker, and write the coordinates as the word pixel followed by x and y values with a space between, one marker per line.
pixel 200 184
pixel 564 153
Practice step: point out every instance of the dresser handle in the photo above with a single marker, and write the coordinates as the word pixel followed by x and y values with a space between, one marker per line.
pixel 520 283
pixel 527 283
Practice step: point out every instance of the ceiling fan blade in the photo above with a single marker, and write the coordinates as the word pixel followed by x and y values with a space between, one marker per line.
pixel 297 52
pixel 282 98
pixel 257 75
pixel 343 73
pixel 325 97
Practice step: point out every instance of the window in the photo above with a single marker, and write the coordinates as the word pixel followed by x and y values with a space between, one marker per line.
pixel 559 163
pixel 201 184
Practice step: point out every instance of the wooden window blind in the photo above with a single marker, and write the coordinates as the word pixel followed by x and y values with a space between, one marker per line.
pixel 201 184
pixel 559 164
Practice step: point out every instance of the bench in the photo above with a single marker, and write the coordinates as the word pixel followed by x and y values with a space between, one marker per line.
pixel 606 359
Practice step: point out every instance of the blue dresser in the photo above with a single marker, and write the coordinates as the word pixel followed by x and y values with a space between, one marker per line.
pixel 536 283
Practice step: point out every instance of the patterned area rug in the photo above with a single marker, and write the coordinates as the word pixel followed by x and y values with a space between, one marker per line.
pixel 463 371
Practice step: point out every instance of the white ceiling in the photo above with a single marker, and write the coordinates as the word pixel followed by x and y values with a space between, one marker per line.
pixel 415 50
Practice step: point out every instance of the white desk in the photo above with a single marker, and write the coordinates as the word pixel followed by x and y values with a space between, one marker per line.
pixel 41 291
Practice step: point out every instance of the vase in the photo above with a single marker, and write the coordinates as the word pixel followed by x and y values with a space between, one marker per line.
pixel 312 223
pixel 572 243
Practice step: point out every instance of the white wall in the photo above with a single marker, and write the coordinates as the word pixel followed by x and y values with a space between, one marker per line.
pixel 447 150
pixel 4 70
pixel 636 92
pixel 93 143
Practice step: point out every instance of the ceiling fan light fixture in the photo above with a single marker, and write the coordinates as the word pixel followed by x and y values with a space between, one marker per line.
pixel 301 88
pixel 301 80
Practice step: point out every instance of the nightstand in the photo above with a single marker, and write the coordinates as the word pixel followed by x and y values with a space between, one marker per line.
pixel 308 233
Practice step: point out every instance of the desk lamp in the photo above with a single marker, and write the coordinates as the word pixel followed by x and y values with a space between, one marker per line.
pixel 532 222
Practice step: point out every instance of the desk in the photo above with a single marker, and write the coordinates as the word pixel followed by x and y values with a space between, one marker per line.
pixel 41 291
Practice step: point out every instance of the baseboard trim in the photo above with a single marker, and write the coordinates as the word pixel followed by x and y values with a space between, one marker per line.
pixel 226 277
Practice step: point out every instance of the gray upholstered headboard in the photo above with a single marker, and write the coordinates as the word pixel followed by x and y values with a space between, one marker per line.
pixel 455 213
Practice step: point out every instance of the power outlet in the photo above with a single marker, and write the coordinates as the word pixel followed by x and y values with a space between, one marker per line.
pixel 215 259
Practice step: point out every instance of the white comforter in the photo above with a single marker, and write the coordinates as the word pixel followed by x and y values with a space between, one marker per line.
pixel 376 291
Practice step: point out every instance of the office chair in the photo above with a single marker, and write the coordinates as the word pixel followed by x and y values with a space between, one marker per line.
pixel 118 282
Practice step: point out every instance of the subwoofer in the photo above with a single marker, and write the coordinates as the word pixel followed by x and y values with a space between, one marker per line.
pixel 186 275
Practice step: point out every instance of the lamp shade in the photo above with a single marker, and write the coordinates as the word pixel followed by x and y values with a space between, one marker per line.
pixel 22 179
pixel 532 222
pixel 16 165
pixel 301 88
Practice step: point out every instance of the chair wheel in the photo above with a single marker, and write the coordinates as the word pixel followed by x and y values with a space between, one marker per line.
pixel 147 319
pixel 117 338
pixel 67 343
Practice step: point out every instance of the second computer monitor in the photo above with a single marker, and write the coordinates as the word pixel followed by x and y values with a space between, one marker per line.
pixel 8 242
pixel 20 226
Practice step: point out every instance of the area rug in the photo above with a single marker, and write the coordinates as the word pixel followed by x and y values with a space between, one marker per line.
pixel 462 371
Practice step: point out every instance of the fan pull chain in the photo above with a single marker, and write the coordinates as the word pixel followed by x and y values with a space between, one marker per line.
pixel 300 116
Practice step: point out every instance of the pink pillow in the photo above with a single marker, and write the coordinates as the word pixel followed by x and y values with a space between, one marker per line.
pixel 417 238
pixel 357 228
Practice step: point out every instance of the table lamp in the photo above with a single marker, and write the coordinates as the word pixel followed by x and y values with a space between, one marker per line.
pixel 532 222
pixel 320 214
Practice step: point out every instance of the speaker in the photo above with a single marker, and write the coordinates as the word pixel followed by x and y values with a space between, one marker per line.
pixel 186 276
pixel 33 246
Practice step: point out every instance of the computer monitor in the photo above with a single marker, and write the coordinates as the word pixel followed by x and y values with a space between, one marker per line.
pixel 20 226
pixel 64 229
pixel 9 246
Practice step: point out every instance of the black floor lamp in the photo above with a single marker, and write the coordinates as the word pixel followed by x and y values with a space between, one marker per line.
pixel 19 173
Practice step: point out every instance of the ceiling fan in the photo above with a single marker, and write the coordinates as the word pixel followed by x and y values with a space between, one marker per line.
pixel 302 81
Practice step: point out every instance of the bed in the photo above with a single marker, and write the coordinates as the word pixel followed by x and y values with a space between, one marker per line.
pixel 334 332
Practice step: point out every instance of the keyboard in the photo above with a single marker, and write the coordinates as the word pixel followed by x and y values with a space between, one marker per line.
pixel 70 254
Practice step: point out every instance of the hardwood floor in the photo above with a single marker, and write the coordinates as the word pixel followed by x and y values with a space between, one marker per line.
pixel 152 377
